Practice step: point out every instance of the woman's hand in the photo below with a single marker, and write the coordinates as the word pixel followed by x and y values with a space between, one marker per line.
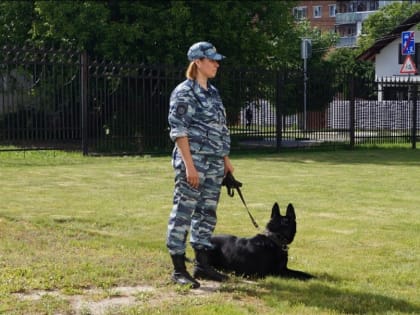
pixel 193 177
pixel 228 165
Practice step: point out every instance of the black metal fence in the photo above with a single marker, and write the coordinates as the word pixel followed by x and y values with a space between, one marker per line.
pixel 60 99
pixel 127 106
pixel 39 98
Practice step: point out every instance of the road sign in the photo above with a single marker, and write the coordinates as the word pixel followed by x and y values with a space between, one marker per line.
pixel 408 46
pixel 306 48
pixel 408 67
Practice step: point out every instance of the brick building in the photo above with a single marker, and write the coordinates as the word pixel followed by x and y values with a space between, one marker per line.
pixel 320 14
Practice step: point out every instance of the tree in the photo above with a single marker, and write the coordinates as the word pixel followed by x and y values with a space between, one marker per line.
pixel 383 21
pixel 293 93
pixel 154 31
pixel 16 19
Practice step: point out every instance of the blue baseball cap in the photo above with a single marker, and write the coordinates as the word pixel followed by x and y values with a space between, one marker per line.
pixel 203 50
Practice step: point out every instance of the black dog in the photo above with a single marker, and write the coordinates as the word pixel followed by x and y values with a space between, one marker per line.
pixel 262 255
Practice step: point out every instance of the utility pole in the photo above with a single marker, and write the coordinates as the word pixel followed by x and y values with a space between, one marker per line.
pixel 306 52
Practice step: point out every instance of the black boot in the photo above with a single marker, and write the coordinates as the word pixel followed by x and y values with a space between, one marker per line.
pixel 203 270
pixel 180 274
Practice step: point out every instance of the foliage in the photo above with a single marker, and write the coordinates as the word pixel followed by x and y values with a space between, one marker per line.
pixel 322 42
pixel 158 31
pixel 345 58
pixel 384 20
pixel 293 94
pixel 15 21
pixel 260 33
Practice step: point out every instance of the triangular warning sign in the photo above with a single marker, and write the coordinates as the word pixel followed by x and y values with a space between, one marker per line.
pixel 409 66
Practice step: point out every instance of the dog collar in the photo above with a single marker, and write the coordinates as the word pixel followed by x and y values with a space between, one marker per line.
pixel 282 243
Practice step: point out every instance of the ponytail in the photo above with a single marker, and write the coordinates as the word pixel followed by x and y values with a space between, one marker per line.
pixel 191 72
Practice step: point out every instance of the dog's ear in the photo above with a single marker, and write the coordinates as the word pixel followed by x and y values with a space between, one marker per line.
pixel 275 211
pixel 290 212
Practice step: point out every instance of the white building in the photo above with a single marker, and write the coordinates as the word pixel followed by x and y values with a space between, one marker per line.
pixel 389 60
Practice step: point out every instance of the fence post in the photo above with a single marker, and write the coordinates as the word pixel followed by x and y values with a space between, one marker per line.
pixel 414 116
pixel 84 99
pixel 352 120
pixel 279 125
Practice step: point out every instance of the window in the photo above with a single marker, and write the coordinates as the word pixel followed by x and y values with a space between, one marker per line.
pixel 300 13
pixel 317 11
pixel 332 9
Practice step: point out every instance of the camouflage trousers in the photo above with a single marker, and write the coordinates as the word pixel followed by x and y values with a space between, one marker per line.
pixel 194 210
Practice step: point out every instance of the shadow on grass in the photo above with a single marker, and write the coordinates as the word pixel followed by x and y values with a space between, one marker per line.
pixel 322 296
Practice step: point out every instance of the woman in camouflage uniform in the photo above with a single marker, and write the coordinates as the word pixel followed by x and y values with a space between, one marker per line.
pixel 197 121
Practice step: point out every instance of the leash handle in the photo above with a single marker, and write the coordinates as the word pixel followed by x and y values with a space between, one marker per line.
pixel 230 192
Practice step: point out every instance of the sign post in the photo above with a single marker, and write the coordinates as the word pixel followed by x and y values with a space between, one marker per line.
pixel 408 49
pixel 305 52
pixel 408 46
pixel 408 67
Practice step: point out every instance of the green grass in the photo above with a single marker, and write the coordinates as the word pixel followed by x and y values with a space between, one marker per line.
pixel 70 224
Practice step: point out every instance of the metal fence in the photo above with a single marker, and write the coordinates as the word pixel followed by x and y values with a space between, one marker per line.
pixel 127 106
pixel 57 99
pixel 39 98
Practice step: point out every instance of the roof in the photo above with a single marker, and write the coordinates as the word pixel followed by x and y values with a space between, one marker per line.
pixel 371 52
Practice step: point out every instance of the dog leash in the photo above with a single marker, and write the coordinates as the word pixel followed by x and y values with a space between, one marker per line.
pixel 231 183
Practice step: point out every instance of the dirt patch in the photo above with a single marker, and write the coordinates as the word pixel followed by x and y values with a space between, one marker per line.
pixel 101 301
pixel 94 303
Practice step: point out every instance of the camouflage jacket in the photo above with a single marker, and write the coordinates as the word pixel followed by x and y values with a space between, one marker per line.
pixel 199 115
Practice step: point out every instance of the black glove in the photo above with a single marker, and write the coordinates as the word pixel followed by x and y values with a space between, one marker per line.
pixel 231 183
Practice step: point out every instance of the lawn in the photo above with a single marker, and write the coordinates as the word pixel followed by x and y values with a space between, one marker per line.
pixel 86 235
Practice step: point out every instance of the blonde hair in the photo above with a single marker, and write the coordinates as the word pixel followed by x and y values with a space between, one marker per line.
pixel 191 72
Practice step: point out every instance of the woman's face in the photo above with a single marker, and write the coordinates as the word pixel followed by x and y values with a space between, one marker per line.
pixel 207 67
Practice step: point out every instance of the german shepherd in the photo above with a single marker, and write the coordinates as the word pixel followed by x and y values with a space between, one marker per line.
pixel 265 254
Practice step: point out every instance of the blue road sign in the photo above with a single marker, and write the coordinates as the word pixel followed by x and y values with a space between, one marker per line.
pixel 408 46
